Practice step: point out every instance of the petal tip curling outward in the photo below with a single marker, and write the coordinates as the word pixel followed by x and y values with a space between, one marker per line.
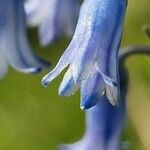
pixel 27 67
pixel 45 81
pixel 94 88
pixel 49 77
pixel 62 64
pixel 68 86
pixel 90 99
pixel 23 63
pixel 89 102
pixel 111 88
pixel 28 70
pixel 112 94
pixel 67 89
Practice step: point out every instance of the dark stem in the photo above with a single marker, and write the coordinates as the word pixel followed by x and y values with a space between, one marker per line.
pixel 137 49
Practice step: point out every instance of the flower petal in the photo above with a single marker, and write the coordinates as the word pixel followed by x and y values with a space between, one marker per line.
pixel 61 20
pixel 47 31
pixel 67 56
pixel 92 90
pixel 84 39
pixel 37 11
pixel 68 86
pixel 107 56
pixel 17 50
pixel 111 88
pixel 84 60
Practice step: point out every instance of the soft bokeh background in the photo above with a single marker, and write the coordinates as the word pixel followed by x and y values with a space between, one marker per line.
pixel 36 118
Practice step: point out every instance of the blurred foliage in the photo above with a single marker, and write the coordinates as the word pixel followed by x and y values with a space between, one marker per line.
pixel 146 30
pixel 36 118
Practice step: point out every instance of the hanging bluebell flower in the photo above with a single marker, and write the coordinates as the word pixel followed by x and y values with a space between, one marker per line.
pixel 53 18
pixel 14 46
pixel 93 52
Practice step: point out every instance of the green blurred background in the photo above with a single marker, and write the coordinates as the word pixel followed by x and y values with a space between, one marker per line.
pixel 36 118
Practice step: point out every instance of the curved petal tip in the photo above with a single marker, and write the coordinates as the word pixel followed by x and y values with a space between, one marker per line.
pixel 45 81
pixel 112 94
pixel 89 102
pixel 32 70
